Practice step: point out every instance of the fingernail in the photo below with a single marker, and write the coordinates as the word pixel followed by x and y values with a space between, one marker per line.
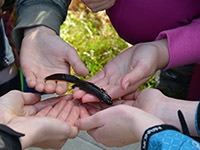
pixel 126 85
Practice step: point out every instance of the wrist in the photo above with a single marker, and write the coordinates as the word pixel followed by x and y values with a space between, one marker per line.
pixel 163 53
pixel 22 125
pixel 38 30
pixel 170 116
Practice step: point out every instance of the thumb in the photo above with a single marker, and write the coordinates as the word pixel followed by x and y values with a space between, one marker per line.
pixel 87 123
pixel 76 63
pixel 31 98
pixel 137 74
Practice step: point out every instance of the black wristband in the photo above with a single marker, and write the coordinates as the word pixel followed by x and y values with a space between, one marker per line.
pixel 9 139
pixel 155 129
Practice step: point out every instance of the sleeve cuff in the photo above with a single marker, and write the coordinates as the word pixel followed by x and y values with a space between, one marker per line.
pixel 36 15
pixel 9 139
pixel 153 130
pixel 183 43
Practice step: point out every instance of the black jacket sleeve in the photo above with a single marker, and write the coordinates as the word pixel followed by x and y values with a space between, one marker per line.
pixel 9 139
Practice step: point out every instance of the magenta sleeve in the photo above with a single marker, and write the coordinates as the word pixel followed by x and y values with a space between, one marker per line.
pixel 183 44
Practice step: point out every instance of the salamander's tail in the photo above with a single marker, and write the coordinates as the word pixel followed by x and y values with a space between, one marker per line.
pixel 62 77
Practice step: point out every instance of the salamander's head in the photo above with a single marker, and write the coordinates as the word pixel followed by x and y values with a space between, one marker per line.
pixel 107 99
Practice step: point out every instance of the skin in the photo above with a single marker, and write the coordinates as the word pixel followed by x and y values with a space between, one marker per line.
pixel 135 113
pixel 23 111
pixel 99 5
pixel 125 128
pixel 47 54
pixel 130 69
pixel 163 107
pixel 154 102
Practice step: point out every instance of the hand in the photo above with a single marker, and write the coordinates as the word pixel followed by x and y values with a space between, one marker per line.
pixel 117 126
pixel 98 5
pixel 49 128
pixel 163 107
pixel 44 53
pixel 130 69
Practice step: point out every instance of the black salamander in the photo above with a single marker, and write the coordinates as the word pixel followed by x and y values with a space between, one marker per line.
pixel 83 85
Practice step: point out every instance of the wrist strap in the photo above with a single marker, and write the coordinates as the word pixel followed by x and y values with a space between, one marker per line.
pixel 9 139
pixel 197 119
pixel 155 129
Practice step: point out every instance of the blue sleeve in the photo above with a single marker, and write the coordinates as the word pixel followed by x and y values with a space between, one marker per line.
pixel 197 119
pixel 172 140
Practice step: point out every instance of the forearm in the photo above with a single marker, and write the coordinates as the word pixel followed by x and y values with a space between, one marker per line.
pixel 49 13
pixel 168 113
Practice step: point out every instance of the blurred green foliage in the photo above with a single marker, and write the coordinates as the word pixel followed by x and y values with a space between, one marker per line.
pixel 94 38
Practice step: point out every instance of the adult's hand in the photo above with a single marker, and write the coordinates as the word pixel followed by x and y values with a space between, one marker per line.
pixel 130 69
pixel 44 53
pixel 98 5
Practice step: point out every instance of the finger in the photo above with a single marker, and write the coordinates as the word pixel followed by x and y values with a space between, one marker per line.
pixel 76 63
pixel 44 111
pixel 57 109
pixel 89 98
pixel 47 102
pixel 30 78
pixel 117 102
pixel 129 96
pixel 31 98
pixel 73 132
pixel 50 86
pixel 88 123
pixel 83 112
pixel 73 116
pixel 78 94
pixel 67 97
pixel 137 74
pixel 66 111
pixel 129 102
pixel 40 85
pixel 91 110
pixel 61 87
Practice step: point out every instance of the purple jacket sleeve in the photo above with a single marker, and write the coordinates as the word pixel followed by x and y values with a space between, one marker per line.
pixel 183 43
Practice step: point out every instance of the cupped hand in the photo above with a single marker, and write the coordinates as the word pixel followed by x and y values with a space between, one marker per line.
pixel 127 71
pixel 99 5
pixel 117 126
pixel 44 53
pixel 43 125
pixel 51 127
